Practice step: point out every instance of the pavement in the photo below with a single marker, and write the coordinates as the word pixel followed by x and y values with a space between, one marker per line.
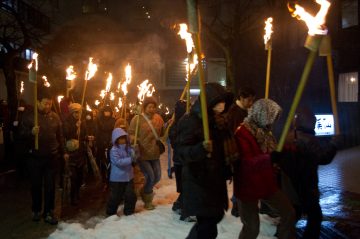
pixel 339 186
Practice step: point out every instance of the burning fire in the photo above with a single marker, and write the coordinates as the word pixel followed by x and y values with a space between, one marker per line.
pixel 167 111
pixel 315 24
pixel 21 87
pixel 70 73
pixel 88 108
pixel 97 102
pixel 127 79
pixel 184 34
pixel 120 103
pixel 145 89
pixel 108 82
pixel 268 30
pixel 59 98
pixel 34 60
pixel 46 82
pixel 192 65
pixel 102 94
pixel 112 96
pixel 91 70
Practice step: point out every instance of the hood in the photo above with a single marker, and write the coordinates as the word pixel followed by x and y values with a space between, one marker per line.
pixel 214 94
pixel 117 133
pixel 263 112
pixel 305 119
pixel 180 109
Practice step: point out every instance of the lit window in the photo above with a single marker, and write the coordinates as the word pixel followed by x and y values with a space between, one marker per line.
pixel 28 54
pixel 350 13
pixel 348 87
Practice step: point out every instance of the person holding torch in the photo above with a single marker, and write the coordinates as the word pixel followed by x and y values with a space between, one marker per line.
pixel 206 164
pixel 43 164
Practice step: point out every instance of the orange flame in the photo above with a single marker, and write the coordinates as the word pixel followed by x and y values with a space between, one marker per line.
pixel 70 73
pixel 167 110
pixel 191 65
pixel 315 24
pixel 59 98
pixel 46 82
pixel 88 108
pixel 102 94
pixel 145 89
pixel 268 30
pixel 184 34
pixel 120 103
pixel 91 70
pixel 21 87
pixel 97 102
pixel 35 61
pixel 108 82
pixel 112 96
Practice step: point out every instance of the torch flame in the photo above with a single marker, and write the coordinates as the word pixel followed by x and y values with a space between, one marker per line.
pixel 108 82
pixel 120 103
pixel 91 70
pixel 112 96
pixel 268 30
pixel 128 73
pixel 34 60
pixel 102 94
pixel 97 102
pixel 167 110
pixel 46 82
pixel 184 34
pixel 59 98
pixel 145 89
pixel 21 87
pixel 315 24
pixel 70 73
pixel 192 65
pixel 88 108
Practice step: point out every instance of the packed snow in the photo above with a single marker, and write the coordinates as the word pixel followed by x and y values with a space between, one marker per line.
pixel 161 223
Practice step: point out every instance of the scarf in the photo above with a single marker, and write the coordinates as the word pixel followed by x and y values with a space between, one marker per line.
pixel 264 138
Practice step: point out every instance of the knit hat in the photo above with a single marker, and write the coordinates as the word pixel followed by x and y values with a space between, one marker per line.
pixel 149 100
pixel 74 107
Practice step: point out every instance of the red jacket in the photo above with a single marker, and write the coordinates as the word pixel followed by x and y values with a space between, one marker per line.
pixel 254 177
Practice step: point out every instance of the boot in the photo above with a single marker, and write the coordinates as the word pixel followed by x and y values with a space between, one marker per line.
pixel 147 198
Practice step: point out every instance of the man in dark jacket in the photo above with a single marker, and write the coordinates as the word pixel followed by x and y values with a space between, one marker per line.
pixel 43 163
pixel 205 163
pixel 235 116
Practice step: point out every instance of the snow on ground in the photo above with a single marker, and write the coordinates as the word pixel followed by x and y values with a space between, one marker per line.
pixel 161 223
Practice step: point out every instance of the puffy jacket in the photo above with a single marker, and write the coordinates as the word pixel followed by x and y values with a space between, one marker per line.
pixel 120 158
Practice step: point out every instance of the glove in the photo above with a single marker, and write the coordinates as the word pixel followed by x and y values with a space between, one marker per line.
pixel 276 157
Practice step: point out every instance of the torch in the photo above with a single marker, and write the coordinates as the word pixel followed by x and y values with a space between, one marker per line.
pixel 184 34
pixel 59 99
pixel 268 47
pixel 70 76
pixel 16 122
pixel 316 31
pixel 145 89
pixel 33 68
pixel 194 21
pixel 124 88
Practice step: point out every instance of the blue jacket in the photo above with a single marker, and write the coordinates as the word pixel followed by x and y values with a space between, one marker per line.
pixel 120 159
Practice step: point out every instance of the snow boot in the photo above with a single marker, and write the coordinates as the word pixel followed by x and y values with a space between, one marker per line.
pixel 147 198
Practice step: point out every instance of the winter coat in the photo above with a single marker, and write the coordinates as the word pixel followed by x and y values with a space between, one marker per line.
pixel 51 139
pixel 71 133
pixel 120 159
pixel 254 177
pixel 149 150
pixel 203 178
pixel 180 109
pixel 105 126
pixel 235 116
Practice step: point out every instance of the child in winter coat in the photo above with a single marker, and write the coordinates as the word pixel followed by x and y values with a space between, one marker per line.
pixel 121 174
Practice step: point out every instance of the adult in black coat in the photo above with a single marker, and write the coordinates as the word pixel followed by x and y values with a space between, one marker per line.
pixel 204 171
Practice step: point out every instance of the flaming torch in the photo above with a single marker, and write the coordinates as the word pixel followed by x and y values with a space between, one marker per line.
pixel 185 35
pixel 317 30
pixel 268 47
pixel 16 122
pixel 124 88
pixel 194 21
pixel 33 68
pixel 70 76
pixel 146 89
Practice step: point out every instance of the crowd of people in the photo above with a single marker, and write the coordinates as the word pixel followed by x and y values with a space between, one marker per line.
pixel 241 150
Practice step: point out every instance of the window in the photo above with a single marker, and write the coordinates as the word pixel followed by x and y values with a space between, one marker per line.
pixel 349 13
pixel 348 87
